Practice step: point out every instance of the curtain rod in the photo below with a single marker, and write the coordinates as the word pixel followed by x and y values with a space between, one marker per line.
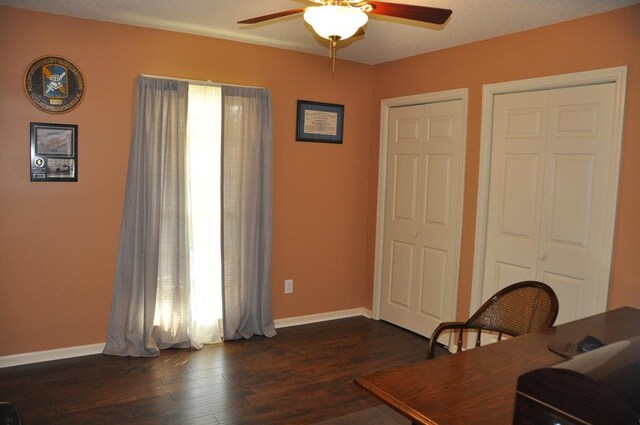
pixel 199 82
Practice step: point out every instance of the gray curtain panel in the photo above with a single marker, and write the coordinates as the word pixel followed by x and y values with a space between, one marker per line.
pixel 152 258
pixel 247 211
pixel 150 309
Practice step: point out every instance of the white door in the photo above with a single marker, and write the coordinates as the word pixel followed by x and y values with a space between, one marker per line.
pixel 551 164
pixel 422 215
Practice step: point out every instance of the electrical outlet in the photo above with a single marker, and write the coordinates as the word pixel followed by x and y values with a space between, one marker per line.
pixel 288 286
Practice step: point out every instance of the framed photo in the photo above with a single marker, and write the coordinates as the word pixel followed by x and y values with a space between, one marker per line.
pixel 54 152
pixel 319 122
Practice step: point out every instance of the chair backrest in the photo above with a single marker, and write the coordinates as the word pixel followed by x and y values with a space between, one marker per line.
pixel 518 309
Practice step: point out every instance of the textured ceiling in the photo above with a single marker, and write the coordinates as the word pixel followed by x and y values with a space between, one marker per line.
pixel 385 39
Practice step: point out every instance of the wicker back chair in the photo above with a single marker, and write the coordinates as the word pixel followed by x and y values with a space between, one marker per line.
pixel 518 309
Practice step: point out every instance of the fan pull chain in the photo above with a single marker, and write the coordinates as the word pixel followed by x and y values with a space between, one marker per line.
pixel 333 42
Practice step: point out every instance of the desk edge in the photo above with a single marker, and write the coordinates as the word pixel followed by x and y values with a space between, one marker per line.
pixel 413 415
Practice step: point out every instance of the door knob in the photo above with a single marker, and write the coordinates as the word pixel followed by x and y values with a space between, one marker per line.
pixel 542 257
pixel 415 234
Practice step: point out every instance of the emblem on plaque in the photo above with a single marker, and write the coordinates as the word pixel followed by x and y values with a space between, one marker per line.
pixel 54 84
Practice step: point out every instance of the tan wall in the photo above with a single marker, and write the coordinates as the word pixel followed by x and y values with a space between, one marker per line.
pixel 601 41
pixel 59 240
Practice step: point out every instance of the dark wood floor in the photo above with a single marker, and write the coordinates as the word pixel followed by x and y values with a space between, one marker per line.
pixel 304 375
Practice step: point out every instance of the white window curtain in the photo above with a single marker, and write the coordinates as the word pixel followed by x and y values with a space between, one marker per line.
pixel 204 153
pixel 175 189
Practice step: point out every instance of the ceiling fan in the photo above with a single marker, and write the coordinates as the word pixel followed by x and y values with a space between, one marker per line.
pixel 338 20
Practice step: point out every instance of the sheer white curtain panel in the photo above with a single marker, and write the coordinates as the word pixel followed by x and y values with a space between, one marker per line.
pixel 204 155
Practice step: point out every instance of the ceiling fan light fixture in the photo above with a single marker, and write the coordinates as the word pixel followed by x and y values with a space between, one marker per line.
pixel 335 21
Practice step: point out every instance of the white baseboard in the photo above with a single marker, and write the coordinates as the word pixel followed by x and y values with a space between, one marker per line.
pixel 45 356
pixel 87 350
pixel 321 317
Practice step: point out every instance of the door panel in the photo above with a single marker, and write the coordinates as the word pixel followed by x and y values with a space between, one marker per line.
pixel 440 128
pixel 570 290
pixel 438 184
pixel 432 282
pixel 407 130
pixel 572 184
pixel 576 120
pixel 405 189
pixel 515 200
pixel 507 274
pixel 401 211
pixel 524 123
pixel 422 216
pixel 579 158
pixel 520 196
pixel 401 265
pixel 550 168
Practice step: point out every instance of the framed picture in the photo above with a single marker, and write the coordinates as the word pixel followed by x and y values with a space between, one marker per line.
pixel 54 152
pixel 319 122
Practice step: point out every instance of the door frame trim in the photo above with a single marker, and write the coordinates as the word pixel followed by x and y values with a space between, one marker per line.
pixel 462 95
pixel 616 75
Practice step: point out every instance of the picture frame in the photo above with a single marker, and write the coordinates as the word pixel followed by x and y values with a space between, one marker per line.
pixel 319 122
pixel 54 152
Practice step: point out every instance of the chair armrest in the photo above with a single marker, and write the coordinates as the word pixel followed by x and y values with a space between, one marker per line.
pixel 436 334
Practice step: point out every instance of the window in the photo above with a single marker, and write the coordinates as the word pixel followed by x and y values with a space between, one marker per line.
pixel 202 182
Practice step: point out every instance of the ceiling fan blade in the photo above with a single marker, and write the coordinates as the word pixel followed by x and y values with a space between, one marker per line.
pixel 272 16
pixel 359 33
pixel 432 15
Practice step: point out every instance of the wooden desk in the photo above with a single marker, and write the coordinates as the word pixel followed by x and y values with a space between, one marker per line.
pixel 478 386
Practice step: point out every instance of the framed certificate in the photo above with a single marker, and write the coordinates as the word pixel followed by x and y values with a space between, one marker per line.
pixel 54 152
pixel 319 122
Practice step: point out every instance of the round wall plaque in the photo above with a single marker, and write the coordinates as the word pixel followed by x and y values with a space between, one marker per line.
pixel 54 84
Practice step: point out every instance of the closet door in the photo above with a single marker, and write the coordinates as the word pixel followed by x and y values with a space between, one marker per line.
pixel 550 167
pixel 422 215
pixel 578 170
pixel 516 186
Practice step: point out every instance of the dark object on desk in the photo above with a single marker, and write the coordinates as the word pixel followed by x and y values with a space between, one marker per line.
pixel 516 310
pixel 567 350
pixel 570 350
pixel 589 343
pixel 8 414
pixel 596 387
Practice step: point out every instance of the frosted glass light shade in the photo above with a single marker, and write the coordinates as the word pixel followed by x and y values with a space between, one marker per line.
pixel 338 21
